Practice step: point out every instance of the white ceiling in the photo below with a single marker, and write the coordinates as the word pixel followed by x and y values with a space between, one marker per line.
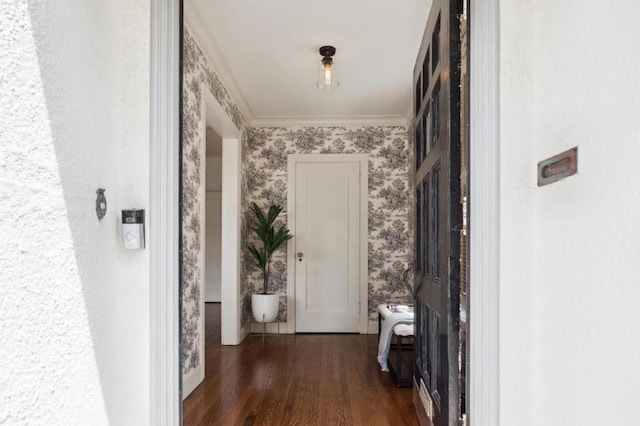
pixel 267 50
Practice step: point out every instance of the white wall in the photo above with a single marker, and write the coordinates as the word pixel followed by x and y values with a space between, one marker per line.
pixel 569 287
pixel 213 228
pixel 74 112
pixel 214 174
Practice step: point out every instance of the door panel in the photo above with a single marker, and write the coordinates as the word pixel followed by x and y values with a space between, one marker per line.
pixel 327 247
pixel 439 218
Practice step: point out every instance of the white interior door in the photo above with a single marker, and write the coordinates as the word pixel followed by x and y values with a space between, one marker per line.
pixel 212 247
pixel 327 246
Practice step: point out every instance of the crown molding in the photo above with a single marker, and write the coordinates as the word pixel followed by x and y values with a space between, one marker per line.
pixel 329 121
pixel 194 24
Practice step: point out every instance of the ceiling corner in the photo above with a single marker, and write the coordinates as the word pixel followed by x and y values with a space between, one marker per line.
pixel 196 27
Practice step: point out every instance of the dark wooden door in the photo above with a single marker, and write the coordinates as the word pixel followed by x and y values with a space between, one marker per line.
pixel 438 217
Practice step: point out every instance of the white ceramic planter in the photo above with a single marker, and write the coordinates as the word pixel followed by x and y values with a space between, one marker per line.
pixel 265 307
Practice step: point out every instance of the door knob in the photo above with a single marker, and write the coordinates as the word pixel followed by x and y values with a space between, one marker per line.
pixel 300 256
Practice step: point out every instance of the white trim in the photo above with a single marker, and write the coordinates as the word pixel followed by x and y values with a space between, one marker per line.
pixel 231 333
pixel 197 28
pixel 230 255
pixel 291 275
pixel 363 159
pixel 195 376
pixel 191 380
pixel 218 120
pixel 165 404
pixel 484 237
pixel 329 121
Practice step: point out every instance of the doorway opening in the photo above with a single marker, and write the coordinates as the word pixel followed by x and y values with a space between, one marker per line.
pixel 213 216
pixel 210 221
pixel 484 189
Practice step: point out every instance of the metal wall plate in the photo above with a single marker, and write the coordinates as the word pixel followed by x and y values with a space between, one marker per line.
pixel 101 203
pixel 558 167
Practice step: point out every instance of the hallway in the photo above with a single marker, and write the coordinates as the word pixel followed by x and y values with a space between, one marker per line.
pixel 295 379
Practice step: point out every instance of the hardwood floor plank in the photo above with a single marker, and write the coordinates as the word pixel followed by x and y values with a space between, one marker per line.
pixel 304 379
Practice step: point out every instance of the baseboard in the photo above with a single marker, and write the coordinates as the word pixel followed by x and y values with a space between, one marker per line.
pixel 244 332
pixel 422 404
pixel 270 327
pixel 191 380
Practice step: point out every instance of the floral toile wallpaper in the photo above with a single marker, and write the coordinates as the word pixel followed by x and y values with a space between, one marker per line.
pixel 198 77
pixel 264 169
pixel 389 196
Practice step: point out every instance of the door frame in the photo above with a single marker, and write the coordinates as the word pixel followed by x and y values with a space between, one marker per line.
pixel 483 386
pixel 165 372
pixel 165 402
pixel 230 219
pixel 363 160
pixel 231 332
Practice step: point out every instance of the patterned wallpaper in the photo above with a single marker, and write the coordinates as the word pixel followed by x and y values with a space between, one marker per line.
pixel 389 196
pixel 198 77
pixel 264 163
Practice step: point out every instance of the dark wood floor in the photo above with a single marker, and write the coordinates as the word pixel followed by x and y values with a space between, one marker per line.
pixel 317 379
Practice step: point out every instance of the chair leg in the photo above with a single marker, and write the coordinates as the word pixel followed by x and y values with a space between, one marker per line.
pixel 396 371
pixel 399 360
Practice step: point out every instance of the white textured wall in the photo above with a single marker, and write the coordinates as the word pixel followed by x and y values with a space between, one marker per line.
pixel 569 287
pixel 587 289
pixel 74 108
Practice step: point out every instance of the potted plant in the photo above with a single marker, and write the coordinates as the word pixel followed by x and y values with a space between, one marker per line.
pixel 265 305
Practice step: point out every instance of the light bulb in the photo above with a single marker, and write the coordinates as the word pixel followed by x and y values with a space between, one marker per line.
pixel 327 75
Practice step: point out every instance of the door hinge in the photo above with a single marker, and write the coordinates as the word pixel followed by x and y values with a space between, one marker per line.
pixel 464 215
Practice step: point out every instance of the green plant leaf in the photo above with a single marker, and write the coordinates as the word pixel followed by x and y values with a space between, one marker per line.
pixel 271 239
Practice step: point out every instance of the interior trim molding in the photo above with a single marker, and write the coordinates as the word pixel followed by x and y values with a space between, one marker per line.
pixel 165 403
pixel 329 121
pixel 194 24
pixel 484 287
pixel 230 216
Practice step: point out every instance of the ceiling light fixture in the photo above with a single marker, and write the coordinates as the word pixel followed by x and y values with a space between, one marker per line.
pixel 327 75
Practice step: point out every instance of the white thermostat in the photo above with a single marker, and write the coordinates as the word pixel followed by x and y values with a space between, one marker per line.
pixel 133 229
